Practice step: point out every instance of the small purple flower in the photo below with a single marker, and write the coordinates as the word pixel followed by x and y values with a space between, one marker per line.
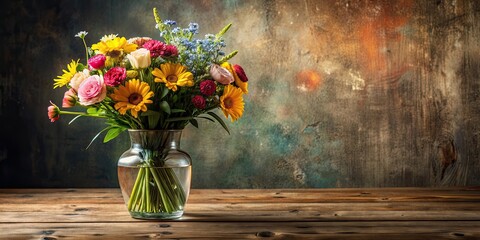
pixel 169 22
pixel 193 28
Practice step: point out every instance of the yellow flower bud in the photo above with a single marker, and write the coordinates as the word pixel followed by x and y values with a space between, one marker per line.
pixel 132 73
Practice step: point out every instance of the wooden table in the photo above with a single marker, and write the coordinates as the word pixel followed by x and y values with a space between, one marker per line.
pixel 389 213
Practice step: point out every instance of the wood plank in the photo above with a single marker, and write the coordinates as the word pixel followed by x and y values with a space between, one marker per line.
pixel 241 216
pixel 17 213
pixel 244 230
pixel 376 206
pixel 113 195
pixel 409 213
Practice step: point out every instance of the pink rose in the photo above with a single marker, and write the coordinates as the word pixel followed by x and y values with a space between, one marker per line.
pixel 199 102
pixel 97 61
pixel 170 51
pixel 115 76
pixel 221 74
pixel 53 112
pixel 155 47
pixel 92 90
pixel 69 98
pixel 240 73
pixel 208 87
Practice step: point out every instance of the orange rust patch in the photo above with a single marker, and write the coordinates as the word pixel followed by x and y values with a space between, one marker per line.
pixel 308 80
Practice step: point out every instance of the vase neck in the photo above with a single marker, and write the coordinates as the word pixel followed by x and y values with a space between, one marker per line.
pixel 155 139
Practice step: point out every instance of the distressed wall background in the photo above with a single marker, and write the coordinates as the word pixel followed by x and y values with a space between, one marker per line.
pixel 342 93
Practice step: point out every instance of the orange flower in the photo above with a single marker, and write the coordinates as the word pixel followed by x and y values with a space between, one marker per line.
pixel 133 96
pixel 231 102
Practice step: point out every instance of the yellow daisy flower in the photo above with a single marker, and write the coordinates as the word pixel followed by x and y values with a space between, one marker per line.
pixel 133 96
pixel 67 75
pixel 231 102
pixel 114 47
pixel 242 85
pixel 173 75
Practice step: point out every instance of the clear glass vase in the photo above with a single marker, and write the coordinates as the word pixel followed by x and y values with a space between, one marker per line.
pixel 154 174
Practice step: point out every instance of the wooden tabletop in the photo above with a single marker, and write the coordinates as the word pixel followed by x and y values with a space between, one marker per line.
pixel 386 213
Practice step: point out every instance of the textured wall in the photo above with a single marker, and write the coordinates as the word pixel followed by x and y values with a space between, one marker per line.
pixel 342 93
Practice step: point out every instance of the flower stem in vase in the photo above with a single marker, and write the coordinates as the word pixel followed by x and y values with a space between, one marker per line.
pixel 156 189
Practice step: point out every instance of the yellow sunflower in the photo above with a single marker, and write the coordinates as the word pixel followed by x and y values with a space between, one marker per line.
pixel 67 75
pixel 133 96
pixel 231 102
pixel 173 75
pixel 242 85
pixel 114 47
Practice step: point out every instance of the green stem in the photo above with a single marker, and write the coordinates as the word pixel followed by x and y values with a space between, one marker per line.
pixel 86 50
pixel 147 190
pixel 134 194
pixel 165 194
pixel 161 188
pixel 81 114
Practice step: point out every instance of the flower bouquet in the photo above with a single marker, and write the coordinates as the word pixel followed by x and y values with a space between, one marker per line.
pixel 148 84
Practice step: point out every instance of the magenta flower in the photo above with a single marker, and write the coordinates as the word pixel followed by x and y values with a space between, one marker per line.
pixel 240 73
pixel 115 76
pixel 97 61
pixel 208 87
pixel 170 51
pixel 69 98
pixel 199 102
pixel 155 47
pixel 92 90
pixel 53 112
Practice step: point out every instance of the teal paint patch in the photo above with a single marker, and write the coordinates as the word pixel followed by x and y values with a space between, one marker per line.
pixel 282 140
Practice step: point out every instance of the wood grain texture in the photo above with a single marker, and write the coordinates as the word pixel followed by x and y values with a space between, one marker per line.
pixel 393 213
pixel 243 230
pixel 342 93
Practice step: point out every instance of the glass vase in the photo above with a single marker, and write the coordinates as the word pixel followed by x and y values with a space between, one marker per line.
pixel 154 174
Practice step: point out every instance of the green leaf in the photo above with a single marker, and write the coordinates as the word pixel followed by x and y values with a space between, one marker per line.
pixel 209 119
pixel 149 112
pixel 113 133
pixel 98 134
pixel 178 110
pixel 153 120
pixel 219 120
pixel 80 67
pixel 165 107
pixel 75 118
pixel 164 92
pixel 194 122
pixel 175 119
pixel 92 110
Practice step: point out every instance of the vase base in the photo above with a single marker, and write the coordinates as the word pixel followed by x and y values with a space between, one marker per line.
pixel 156 216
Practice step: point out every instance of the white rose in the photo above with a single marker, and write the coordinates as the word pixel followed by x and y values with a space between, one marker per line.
pixel 78 78
pixel 139 58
